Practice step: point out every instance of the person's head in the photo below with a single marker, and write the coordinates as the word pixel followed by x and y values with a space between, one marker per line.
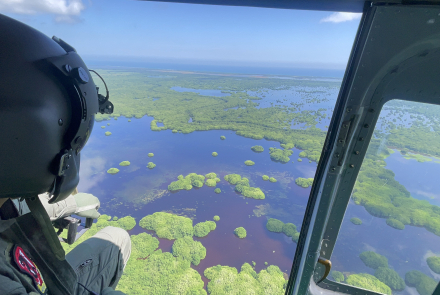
pixel 47 105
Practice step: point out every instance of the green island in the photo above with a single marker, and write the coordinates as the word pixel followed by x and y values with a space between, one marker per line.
pixel 304 182
pixel 265 177
pixel 108 124
pixel 102 127
pixel 167 225
pixel 242 186
pixel 394 223
pixel 216 218
pixel 240 232
pixel 299 160
pixel 390 278
pixel 150 155
pixel 214 113
pixel 222 137
pixel 188 249
pixel 151 271
pixel 337 276
pixel 434 263
pixel 187 182
pixel 211 182
pixel 112 170
pixel 160 273
pixel 202 229
pixel 277 226
pixel 257 148
pixel 124 163
pixel 287 146
pixel 108 133
pixel 151 165
pixel 423 284
pixel 279 155
pixel 225 279
pixel 211 175
pixel 214 154
pixel 368 282
pixel 249 163
pixel 383 273
pixel 373 260
pixel 142 245
pixel 272 179
pixel 274 225
pixel 233 178
pixel 393 200
pixel 211 179
pixel 356 221
pixel 217 191
pixel 148 271
pixel 418 157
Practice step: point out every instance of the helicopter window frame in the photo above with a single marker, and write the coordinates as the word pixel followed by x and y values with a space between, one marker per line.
pixel 357 109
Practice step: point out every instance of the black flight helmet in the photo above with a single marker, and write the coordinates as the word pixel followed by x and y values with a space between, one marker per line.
pixel 48 102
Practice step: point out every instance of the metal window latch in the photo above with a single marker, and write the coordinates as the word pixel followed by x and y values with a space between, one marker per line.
pixel 328 266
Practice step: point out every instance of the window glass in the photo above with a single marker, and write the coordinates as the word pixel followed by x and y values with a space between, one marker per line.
pixel 390 237
pixel 220 115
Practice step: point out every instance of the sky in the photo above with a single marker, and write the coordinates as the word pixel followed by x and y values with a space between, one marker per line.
pixel 144 31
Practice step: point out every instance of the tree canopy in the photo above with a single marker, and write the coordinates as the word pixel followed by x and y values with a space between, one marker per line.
pixel 188 249
pixel 227 280
pixel 368 282
pixel 373 260
pixel 167 225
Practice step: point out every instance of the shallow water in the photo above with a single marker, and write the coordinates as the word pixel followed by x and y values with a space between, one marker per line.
pixel 205 92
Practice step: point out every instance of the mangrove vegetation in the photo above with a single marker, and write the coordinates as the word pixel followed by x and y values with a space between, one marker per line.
pixel 167 225
pixel 240 232
pixel 304 182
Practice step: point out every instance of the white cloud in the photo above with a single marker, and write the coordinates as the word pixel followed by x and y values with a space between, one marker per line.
pixel 65 10
pixel 339 17
pixel 92 172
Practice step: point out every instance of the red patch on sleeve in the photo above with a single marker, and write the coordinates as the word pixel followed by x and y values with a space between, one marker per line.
pixel 27 266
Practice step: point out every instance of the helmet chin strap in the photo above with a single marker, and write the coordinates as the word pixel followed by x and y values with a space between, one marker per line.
pixel 43 220
pixel 67 176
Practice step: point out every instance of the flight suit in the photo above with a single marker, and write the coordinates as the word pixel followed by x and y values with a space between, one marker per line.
pixel 92 267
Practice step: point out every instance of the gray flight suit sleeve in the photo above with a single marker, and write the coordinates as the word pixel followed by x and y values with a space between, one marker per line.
pixel 8 286
pixel 100 261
